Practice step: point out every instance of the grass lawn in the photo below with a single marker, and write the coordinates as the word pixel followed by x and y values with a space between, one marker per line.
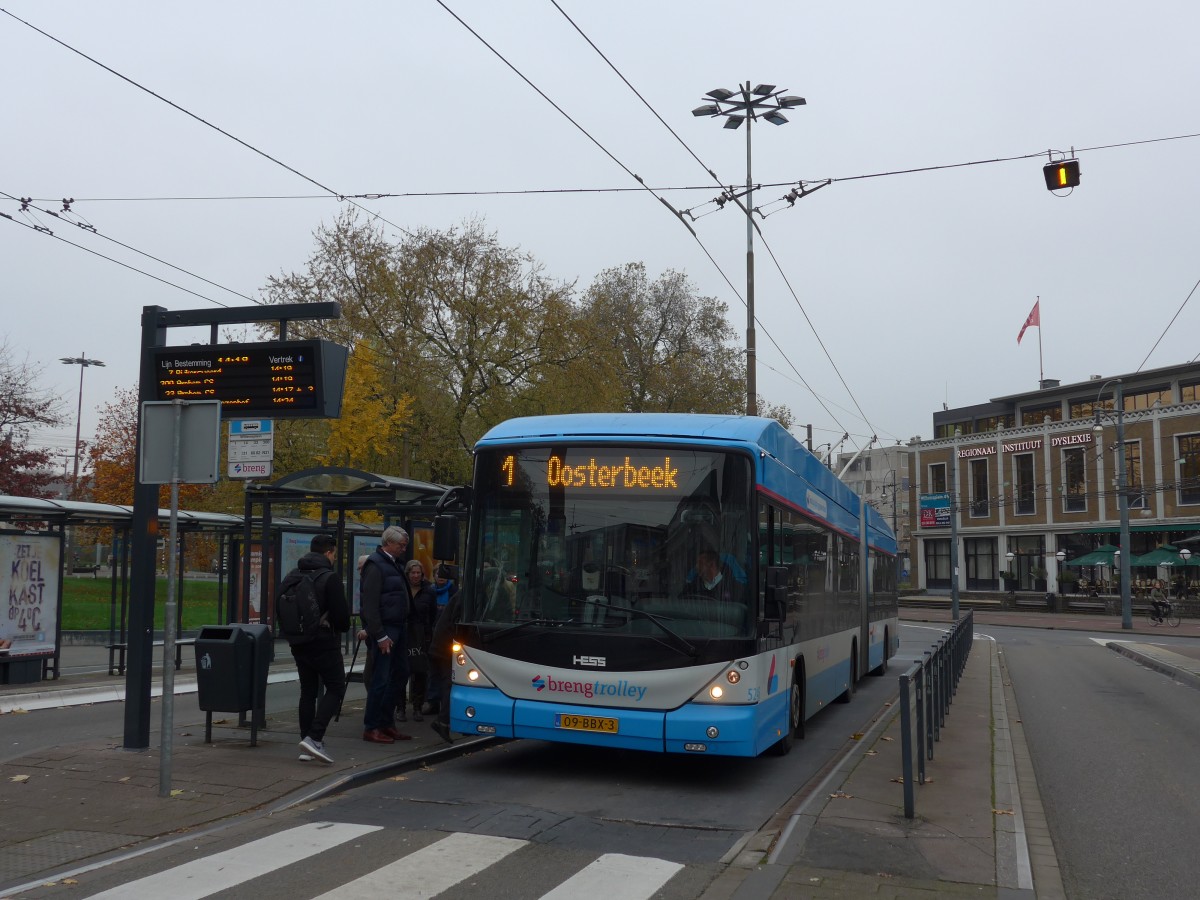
pixel 87 603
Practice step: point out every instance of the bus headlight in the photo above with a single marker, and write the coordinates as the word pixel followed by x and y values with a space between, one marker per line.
pixel 473 675
pixel 716 692
pixel 461 659
pixel 733 676
pixel 456 647
pixel 713 732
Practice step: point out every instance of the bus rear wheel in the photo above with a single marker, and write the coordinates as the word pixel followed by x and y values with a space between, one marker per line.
pixel 881 669
pixel 848 694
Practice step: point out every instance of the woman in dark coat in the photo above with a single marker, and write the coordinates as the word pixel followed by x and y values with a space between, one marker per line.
pixel 422 608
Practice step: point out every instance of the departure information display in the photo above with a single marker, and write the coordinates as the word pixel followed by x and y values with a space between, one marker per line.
pixel 279 379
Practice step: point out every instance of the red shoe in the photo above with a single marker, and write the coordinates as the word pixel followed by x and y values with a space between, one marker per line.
pixel 395 735
pixel 379 736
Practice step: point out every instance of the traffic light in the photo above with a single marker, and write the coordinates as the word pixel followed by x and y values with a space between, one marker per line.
pixel 1061 174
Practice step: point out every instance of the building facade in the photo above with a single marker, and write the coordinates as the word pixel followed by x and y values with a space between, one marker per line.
pixel 1037 473
pixel 883 476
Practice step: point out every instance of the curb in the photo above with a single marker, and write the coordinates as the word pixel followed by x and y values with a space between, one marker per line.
pixel 1149 658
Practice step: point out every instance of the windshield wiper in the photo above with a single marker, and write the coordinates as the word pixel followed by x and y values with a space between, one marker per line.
pixel 491 636
pixel 681 643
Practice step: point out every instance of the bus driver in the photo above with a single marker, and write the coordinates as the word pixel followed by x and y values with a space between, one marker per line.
pixel 712 578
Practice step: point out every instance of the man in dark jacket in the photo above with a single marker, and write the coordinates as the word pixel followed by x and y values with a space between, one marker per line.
pixel 384 612
pixel 319 660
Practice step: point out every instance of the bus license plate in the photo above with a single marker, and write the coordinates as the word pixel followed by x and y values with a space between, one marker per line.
pixel 586 723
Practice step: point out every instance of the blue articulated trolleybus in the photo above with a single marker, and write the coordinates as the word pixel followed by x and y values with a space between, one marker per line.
pixel 664 582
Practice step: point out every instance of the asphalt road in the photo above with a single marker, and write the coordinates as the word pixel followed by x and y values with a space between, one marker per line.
pixel 1114 748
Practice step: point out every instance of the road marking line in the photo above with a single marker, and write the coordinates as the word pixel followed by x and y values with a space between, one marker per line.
pixel 615 876
pixel 430 870
pixel 229 868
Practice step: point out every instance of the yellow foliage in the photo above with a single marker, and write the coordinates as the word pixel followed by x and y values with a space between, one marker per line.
pixel 368 434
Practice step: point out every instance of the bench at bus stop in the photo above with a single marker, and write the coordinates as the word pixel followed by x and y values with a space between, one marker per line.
pixel 118 649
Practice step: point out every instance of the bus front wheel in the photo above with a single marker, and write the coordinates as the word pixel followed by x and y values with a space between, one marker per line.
pixel 795 722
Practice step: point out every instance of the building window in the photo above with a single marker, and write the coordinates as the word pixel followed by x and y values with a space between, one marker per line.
pixel 937 478
pixel 1189 468
pixel 1074 480
pixel 983 572
pixel 991 423
pixel 937 563
pixel 946 429
pixel 1086 409
pixel 980 506
pixel 1189 393
pixel 1147 399
pixel 1024 487
pixel 867 463
pixel 1134 485
pixel 1035 414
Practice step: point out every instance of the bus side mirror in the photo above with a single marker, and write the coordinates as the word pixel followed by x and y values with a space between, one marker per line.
pixel 445 538
pixel 775 605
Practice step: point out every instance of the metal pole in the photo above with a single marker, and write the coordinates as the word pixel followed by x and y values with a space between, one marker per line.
pixel 751 385
pixel 143 539
pixel 1123 506
pixel 954 527
pixel 78 422
pixel 895 528
pixel 168 664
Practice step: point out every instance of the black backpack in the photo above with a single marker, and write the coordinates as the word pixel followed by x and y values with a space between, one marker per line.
pixel 298 610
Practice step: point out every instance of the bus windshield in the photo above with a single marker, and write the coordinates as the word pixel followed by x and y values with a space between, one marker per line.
pixel 637 539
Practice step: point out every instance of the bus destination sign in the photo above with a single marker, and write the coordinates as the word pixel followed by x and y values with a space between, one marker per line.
pixel 276 379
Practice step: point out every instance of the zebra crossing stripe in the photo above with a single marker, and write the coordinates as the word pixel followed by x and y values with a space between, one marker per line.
pixel 430 870
pixel 229 868
pixel 615 876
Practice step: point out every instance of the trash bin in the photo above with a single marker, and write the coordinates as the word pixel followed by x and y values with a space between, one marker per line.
pixel 232 662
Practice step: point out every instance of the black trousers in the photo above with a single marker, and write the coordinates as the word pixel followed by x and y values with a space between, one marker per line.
pixel 439 672
pixel 319 665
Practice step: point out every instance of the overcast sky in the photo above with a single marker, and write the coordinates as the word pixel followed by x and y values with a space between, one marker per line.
pixel 916 285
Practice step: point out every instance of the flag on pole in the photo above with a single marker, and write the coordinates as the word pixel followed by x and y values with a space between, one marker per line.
pixel 1035 318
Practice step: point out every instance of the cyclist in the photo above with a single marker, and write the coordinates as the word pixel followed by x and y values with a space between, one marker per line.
pixel 1159 601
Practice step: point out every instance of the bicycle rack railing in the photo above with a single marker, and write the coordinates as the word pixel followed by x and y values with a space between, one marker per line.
pixel 926 692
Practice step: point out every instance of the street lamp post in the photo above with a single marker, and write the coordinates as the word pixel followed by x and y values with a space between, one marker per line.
pixel 1122 498
pixel 747 105
pixel 895 523
pixel 1061 555
pixel 83 362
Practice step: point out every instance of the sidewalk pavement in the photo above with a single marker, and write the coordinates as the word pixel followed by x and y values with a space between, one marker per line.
pixel 67 809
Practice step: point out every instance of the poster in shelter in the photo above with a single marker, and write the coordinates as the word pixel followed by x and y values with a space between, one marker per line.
pixel 292 546
pixel 254 612
pixel 29 579
pixel 364 545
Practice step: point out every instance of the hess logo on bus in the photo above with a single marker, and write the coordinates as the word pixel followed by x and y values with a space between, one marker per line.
pixel 595 661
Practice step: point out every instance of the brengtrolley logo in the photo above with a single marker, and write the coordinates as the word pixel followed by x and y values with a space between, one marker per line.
pixel 589 689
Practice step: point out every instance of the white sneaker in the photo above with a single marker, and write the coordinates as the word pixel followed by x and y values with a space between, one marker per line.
pixel 316 748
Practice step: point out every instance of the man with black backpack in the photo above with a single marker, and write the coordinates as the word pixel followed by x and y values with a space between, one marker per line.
pixel 313 614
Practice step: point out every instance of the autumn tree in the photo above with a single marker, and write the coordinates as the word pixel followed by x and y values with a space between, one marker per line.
pixel 469 326
pixel 114 457
pixel 24 471
pixel 369 433
pixel 658 346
